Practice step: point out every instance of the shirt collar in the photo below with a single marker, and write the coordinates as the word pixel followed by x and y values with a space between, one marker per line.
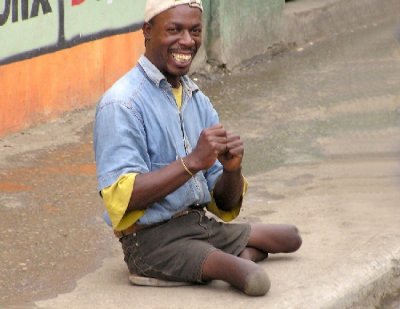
pixel 156 76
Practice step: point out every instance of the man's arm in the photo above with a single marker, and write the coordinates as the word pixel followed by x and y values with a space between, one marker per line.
pixel 229 188
pixel 154 186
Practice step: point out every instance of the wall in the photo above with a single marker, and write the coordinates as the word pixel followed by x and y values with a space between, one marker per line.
pixel 238 32
pixel 57 56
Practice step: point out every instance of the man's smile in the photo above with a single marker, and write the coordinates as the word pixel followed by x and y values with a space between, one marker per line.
pixel 182 57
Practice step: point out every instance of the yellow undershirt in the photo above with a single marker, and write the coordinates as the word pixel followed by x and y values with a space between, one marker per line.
pixel 177 92
pixel 116 199
pixel 117 196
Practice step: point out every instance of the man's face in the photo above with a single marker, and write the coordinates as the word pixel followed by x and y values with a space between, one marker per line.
pixel 173 38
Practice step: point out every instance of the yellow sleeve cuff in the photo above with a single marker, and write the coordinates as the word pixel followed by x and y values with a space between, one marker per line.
pixel 116 199
pixel 229 215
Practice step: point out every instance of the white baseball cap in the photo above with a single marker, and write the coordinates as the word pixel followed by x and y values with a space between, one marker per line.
pixel 155 7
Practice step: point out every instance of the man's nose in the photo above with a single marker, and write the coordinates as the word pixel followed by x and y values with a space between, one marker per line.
pixel 186 39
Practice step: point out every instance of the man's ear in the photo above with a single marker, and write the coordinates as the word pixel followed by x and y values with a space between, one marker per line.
pixel 146 28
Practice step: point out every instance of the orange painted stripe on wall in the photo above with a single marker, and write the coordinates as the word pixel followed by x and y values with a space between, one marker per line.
pixel 42 88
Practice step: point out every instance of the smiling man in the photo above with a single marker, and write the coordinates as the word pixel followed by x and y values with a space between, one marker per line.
pixel 173 38
pixel 164 161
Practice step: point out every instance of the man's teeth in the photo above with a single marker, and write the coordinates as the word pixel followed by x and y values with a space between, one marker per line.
pixel 182 57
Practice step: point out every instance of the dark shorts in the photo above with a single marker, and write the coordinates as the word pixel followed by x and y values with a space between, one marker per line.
pixel 177 249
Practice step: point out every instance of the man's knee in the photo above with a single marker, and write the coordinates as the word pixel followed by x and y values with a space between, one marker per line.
pixel 294 239
pixel 243 274
pixel 275 238
pixel 220 265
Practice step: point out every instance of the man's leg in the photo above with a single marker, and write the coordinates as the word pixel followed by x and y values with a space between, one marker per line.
pixel 253 254
pixel 271 238
pixel 243 274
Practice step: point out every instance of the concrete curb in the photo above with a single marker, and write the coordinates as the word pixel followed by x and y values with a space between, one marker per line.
pixel 381 278
pixel 309 20
pixel 300 22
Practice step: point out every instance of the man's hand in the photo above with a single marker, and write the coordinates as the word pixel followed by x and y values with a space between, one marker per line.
pixel 231 158
pixel 215 143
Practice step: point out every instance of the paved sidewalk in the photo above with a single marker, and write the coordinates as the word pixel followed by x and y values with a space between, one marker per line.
pixel 350 254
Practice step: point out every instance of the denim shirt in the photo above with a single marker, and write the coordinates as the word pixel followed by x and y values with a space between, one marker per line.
pixel 139 129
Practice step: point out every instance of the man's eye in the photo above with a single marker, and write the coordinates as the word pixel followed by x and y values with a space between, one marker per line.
pixel 172 30
pixel 196 31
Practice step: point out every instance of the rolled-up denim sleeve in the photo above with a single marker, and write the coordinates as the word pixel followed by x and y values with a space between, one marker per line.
pixel 116 199
pixel 119 142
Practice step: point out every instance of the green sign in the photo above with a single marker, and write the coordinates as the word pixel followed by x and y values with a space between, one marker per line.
pixel 92 17
pixel 33 27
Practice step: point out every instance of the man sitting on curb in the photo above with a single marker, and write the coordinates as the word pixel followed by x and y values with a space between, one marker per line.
pixel 163 158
